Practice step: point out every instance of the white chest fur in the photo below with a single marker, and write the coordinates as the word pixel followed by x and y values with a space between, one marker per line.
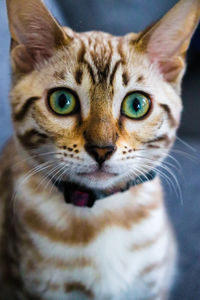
pixel 114 261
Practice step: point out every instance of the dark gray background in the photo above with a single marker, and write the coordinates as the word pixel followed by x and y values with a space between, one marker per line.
pixel 120 17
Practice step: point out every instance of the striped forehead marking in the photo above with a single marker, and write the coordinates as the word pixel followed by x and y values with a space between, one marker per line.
pixel 100 52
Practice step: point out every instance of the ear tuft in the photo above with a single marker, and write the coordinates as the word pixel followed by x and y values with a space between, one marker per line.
pixel 167 41
pixel 36 34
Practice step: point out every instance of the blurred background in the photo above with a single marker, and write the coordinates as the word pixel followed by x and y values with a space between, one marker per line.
pixel 183 197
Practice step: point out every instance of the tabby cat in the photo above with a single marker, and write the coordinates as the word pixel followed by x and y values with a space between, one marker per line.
pixel 81 208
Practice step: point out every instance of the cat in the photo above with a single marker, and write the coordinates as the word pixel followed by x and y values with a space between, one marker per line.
pixel 81 204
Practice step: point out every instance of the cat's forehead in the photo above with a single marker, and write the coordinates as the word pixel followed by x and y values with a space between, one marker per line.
pixel 101 47
pixel 100 42
pixel 100 53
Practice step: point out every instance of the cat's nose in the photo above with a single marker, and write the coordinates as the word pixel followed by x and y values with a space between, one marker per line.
pixel 100 154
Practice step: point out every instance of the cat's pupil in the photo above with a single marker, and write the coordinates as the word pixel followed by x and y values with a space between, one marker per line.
pixel 62 100
pixel 136 105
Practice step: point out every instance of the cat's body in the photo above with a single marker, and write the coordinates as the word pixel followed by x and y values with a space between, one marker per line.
pixel 122 245
pixel 64 252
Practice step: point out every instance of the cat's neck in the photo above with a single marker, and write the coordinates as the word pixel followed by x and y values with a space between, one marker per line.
pixel 85 197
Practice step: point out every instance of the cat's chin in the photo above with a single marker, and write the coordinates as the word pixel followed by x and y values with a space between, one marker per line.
pixel 98 180
pixel 98 175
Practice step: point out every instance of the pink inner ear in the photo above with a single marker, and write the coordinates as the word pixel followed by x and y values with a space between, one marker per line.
pixel 22 60
pixel 168 40
pixel 167 54
pixel 39 38
pixel 35 30
pixel 171 68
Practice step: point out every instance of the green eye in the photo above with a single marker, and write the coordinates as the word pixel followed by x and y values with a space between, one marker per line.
pixel 136 105
pixel 63 102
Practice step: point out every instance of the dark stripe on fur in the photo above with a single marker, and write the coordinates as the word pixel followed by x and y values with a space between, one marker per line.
pixel 32 138
pixel 81 53
pixel 90 71
pixel 112 76
pixel 162 138
pixel 120 50
pixel 25 108
pixel 140 78
pixel 166 108
pixel 103 74
pixel 125 78
pixel 78 287
pixel 81 59
pixel 78 76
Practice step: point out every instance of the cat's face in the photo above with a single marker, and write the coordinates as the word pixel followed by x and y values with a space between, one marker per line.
pixel 97 71
pixel 98 110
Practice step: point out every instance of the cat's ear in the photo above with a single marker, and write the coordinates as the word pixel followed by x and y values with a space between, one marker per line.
pixel 35 33
pixel 167 41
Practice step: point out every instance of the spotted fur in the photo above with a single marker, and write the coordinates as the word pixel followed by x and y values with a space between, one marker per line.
pixel 124 243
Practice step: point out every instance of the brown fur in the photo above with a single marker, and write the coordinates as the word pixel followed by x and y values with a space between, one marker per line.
pixel 82 231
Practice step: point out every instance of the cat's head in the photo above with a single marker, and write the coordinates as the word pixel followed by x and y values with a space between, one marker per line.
pixel 93 108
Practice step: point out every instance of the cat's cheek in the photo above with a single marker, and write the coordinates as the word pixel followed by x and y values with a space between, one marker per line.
pixel 136 129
